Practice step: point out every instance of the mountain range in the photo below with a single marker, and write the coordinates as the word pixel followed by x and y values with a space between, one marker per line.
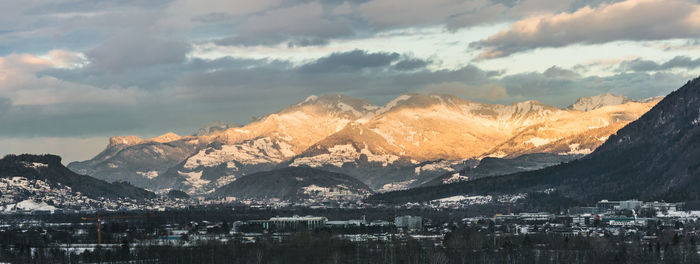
pixel 654 157
pixel 405 143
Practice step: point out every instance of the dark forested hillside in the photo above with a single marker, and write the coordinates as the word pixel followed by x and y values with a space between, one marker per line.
pixel 292 183
pixel 654 157
pixel 49 168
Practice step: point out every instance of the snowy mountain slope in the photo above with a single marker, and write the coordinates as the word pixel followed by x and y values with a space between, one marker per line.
pixel 594 102
pixel 263 144
pixel 652 158
pixel 418 127
pixel 574 133
pixel 382 146
pixel 301 124
pixel 136 160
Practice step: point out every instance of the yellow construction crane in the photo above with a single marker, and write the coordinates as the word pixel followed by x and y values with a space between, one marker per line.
pixel 99 219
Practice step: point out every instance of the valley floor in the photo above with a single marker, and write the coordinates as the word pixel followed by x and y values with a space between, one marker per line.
pixel 608 232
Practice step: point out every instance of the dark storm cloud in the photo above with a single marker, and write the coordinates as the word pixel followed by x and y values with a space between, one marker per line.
pixel 304 24
pixel 159 76
pixel 134 50
pixel 641 65
pixel 200 91
pixel 411 64
pixel 557 72
pixel 350 61
pixel 558 91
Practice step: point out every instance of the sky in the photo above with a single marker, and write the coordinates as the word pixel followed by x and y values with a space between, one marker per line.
pixel 75 72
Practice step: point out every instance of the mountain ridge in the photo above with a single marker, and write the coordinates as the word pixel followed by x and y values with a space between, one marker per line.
pixel 653 157
pixel 349 135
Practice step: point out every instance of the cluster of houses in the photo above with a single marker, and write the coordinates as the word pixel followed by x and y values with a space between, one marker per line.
pixel 605 218
pixel 405 223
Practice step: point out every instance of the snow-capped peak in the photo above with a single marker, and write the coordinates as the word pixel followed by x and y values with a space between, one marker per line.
pixel 420 101
pixel 134 140
pixel 337 104
pixel 594 102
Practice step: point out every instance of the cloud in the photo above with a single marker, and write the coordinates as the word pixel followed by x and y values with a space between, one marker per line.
pixel 641 65
pixel 629 20
pixel 67 59
pixel 384 14
pixel 18 63
pixel 298 25
pixel 52 102
pixel 411 64
pixel 5 105
pixel 23 83
pixel 135 50
pixel 557 72
pixel 350 61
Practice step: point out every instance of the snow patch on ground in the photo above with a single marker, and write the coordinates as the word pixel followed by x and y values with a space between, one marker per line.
pixel 440 165
pixel 29 205
pixel 35 165
pixel 476 199
pixel 455 178
pixel 391 104
pixel 262 150
pixel 194 179
pixel 225 180
pixel 538 141
pixel 389 139
pixel 395 186
pixel 574 149
pixel 341 154
pixel 347 108
pixel 148 174
pixel 339 190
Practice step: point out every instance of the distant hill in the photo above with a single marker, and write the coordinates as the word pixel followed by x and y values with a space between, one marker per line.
pixel 293 184
pixel 48 168
pixel 654 157
pixel 491 166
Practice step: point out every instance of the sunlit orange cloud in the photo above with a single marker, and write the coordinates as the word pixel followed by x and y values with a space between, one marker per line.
pixel 628 20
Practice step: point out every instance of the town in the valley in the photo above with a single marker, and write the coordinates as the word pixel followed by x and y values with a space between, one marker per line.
pixel 90 234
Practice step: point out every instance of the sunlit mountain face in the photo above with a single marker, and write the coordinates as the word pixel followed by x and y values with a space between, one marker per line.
pixel 406 142
pixel 654 157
